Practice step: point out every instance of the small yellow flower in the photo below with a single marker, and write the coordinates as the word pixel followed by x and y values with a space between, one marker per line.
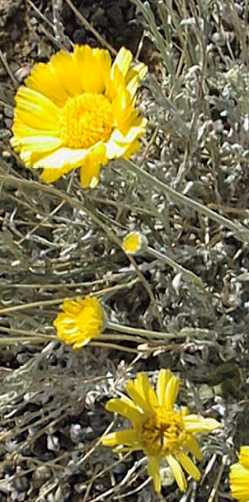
pixel 133 243
pixel 78 111
pixel 80 321
pixel 161 430
pixel 239 476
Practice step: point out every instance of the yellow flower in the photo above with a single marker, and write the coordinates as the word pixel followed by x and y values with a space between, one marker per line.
pixel 80 321
pixel 78 111
pixel 239 476
pixel 133 243
pixel 161 430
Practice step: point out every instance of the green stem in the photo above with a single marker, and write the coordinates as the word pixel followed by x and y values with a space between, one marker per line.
pixel 113 346
pixel 11 340
pixel 125 338
pixel 12 180
pixel 241 232
pixel 141 332
pixel 187 274
pixel 188 332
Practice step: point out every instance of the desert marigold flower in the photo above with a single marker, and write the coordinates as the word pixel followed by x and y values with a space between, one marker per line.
pixel 81 321
pixel 159 429
pixel 133 243
pixel 239 476
pixel 78 111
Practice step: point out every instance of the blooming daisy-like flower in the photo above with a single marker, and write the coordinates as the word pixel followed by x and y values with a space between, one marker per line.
pixel 78 111
pixel 159 429
pixel 81 321
pixel 133 243
pixel 239 476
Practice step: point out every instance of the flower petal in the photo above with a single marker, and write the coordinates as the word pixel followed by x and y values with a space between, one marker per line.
pixel 244 456
pixel 126 408
pixel 171 393
pixel 137 397
pixel 197 423
pixel 127 437
pixel 134 77
pixel 90 169
pixel 44 80
pixel 64 67
pixel 177 472
pixel 189 466
pixel 36 143
pixel 50 175
pixel 145 389
pixel 36 110
pixel 239 482
pixel 62 158
pixel 193 447
pixel 93 68
pixel 123 61
pixel 118 144
pixel 154 472
pixel 162 382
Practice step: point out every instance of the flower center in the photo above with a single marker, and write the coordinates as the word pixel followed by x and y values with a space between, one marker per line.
pixel 163 433
pixel 85 120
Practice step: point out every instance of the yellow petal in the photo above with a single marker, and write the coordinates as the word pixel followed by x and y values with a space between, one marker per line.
pixel 79 345
pixel 126 408
pixel 118 144
pixel 50 175
pixel 64 67
pixel 73 306
pixel 122 108
pixel 137 397
pixel 123 61
pixel 162 382
pixel 154 472
pixel 189 466
pixel 177 472
pixel 134 77
pixel 36 110
pixel 132 148
pixel 62 158
pixel 21 129
pixel 171 393
pixel 36 143
pixel 90 168
pixel 193 447
pixel 93 68
pixel 44 80
pixel 244 456
pixel 239 482
pixel 145 389
pixel 115 84
pixel 196 423
pixel 127 437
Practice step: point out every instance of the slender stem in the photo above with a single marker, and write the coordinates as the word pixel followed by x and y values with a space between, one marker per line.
pixel 141 332
pixel 57 301
pixel 188 332
pixel 24 332
pixel 113 346
pixel 11 340
pixel 40 303
pixel 241 232
pixel 187 274
pixel 126 337
pixel 94 217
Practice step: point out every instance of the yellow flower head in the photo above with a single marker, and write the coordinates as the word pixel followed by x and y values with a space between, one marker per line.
pixel 161 430
pixel 239 476
pixel 80 321
pixel 133 243
pixel 78 111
